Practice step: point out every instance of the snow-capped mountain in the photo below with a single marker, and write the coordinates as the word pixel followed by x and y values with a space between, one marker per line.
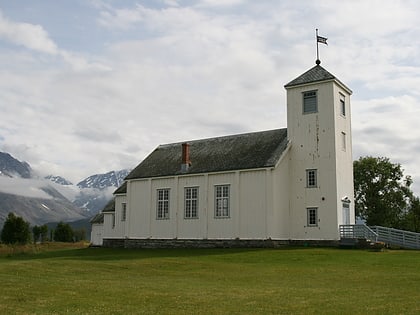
pixel 11 167
pixel 34 199
pixel 52 198
pixel 96 190
pixel 103 181
pixel 58 180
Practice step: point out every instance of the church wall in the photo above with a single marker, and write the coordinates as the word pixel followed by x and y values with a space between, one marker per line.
pixel 251 205
pixel 279 218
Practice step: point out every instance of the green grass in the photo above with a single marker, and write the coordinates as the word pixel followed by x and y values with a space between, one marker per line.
pixel 217 281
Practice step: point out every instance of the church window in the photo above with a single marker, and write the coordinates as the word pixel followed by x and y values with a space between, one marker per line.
pixel 191 202
pixel 311 178
pixel 222 201
pixel 113 220
pixel 312 214
pixel 163 203
pixel 342 105
pixel 310 103
pixel 123 211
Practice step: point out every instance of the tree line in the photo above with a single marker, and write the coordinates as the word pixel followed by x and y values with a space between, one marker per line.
pixel 17 231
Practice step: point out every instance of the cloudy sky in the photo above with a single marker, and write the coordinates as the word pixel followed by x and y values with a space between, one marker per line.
pixel 89 86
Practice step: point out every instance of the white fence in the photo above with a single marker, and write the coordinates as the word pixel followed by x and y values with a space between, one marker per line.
pixel 389 236
pixel 397 237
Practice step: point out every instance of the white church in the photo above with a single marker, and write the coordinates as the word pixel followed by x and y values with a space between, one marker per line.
pixel 263 189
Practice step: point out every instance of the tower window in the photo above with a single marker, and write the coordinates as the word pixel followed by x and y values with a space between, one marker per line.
pixel 311 180
pixel 312 216
pixel 310 103
pixel 342 105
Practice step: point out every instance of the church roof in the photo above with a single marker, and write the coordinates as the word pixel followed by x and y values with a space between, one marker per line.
pixel 98 218
pixel 229 153
pixel 315 74
pixel 110 206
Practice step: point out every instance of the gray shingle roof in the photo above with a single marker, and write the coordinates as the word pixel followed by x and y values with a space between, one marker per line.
pixel 315 74
pixel 110 206
pixel 98 218
pixel 243 151
pixel 122 189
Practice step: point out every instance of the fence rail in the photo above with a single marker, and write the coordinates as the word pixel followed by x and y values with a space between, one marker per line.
pixel 358 231
pixel 397 237
pixel 389 236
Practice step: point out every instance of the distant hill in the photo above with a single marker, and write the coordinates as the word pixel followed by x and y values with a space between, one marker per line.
pixel 37 211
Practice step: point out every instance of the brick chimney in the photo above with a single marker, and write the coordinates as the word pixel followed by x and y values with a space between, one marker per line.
pixel 186 163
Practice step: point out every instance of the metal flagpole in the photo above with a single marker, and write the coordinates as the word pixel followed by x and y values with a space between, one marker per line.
pixel 317 49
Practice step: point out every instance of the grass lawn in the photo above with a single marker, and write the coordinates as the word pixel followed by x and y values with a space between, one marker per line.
pixel 209 281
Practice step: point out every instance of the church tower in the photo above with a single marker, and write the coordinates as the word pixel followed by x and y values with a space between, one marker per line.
pixel 321 164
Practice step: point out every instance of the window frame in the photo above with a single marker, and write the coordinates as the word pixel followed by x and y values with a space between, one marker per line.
pixel 312 216
pixel 123 211
pixel 306 97
pixel 162 204
pixel 312 181
pixel 191 203
pixel 222 199
pixel 342 105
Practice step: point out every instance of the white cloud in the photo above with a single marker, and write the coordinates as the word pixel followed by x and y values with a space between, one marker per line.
pixel 30 36
pixel 174 72
pixel 23 187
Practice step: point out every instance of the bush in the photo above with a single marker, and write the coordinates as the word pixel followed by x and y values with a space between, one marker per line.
pixel 15 230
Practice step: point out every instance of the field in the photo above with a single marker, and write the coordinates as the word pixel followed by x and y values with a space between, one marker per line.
pixel 61 280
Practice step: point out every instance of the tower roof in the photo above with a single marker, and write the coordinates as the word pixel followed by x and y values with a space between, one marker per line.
pixel 313 75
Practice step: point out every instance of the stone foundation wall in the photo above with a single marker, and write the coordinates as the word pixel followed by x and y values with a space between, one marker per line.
pixel 205 243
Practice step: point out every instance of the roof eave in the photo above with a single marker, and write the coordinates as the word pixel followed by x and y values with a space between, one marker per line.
pixel 341 84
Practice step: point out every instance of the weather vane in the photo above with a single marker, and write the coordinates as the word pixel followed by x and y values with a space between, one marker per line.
pixel 322 40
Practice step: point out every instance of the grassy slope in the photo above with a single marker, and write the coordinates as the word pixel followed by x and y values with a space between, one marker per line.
pixel 230 281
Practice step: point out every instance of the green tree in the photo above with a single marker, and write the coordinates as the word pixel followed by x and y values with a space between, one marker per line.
pixel 63 233
pixel 15 230
pixel 411 219
pixel 44 232
pixel 382 192
pixel 36 230
pixel 40 233
pixel 79 234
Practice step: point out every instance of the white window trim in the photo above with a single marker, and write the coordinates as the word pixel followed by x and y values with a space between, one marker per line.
pixel 308 213
pixel 191 216
pixel 223 199
pixel 342 105
pixel 164 215
pixel 305 93
pixel 308 171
